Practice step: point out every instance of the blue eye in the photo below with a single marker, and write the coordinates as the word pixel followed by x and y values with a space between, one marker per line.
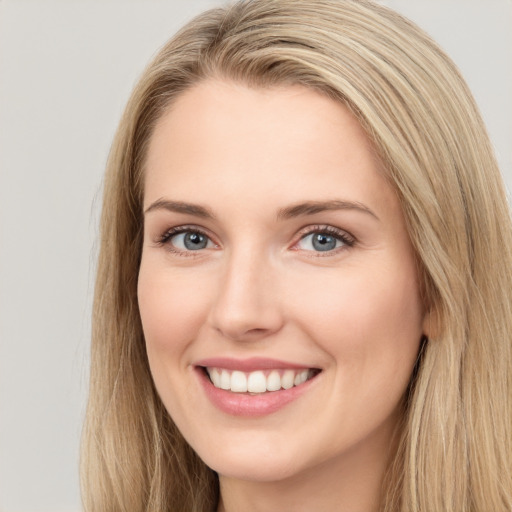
pixel 323 241
pixel 188 241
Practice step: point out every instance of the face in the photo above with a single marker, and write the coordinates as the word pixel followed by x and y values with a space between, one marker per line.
pixel 277 289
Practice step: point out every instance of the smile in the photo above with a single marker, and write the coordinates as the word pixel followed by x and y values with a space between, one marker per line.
pixel 253 387
pixel 260 381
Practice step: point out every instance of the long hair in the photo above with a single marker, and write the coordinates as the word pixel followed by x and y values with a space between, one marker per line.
pixel 455 450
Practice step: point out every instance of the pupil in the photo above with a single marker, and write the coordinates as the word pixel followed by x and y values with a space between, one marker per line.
pixel 323 242
pixel 195 241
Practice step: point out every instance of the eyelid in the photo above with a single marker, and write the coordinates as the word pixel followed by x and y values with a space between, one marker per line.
pixel 344 236
pixel 347 238
pixel 165 237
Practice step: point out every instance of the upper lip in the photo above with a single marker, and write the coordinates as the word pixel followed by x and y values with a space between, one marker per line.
pixel 250 364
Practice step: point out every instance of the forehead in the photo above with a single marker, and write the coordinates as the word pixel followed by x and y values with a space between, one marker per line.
pixel 226 139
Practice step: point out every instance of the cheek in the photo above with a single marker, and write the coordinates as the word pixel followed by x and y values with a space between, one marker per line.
pixel 172 311
pixel 364 316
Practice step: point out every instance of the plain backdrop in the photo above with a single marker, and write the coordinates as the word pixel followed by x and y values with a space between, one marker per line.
pixel 66 70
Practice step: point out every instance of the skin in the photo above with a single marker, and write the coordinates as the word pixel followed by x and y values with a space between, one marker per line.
pixel 259 288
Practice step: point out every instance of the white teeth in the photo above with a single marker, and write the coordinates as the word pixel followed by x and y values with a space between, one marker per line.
pixel 287 379
pixel 258 381
pixel 238 382
pixel 274 381
pixel 215 376
pixel 301 377
pixel 225 380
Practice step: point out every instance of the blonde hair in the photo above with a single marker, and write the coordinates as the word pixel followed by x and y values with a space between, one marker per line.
pixel 456 443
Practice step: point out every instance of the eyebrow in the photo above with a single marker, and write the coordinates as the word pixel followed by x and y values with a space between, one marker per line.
pixel 312 207
pixel 180 207
pixel 296 210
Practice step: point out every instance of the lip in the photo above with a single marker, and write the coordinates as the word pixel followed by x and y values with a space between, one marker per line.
pixel 246 404
pixel 249 365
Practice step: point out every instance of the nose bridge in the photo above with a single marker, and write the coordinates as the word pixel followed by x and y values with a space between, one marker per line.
pixel 247 302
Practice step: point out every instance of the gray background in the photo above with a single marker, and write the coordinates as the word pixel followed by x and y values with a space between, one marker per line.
pixel 66 69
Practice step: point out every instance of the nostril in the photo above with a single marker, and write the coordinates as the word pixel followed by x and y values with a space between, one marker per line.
pixel 242 333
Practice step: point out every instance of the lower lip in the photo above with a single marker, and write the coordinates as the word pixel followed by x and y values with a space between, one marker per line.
pixel 244 404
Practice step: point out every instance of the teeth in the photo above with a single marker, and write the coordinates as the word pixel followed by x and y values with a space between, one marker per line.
pixel 274 381
pixel 238 382
pixel 288 379
pixel 225 380
pixel 301 377
pixel 215 376
pixel 257 381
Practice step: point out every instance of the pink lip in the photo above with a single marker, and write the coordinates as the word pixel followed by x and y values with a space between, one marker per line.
pixel 248 365
pixel 245 404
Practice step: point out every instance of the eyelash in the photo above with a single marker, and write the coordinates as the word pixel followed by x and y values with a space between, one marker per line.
pixel 347 239
pixel 165 239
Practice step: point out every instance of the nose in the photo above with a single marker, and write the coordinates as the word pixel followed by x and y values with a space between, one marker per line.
pixel 247 305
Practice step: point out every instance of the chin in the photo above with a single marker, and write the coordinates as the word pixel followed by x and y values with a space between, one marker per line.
pixel 253 470
pixel 256 459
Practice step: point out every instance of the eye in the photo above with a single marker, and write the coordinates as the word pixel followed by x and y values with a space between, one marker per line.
pixel 326 239
pixel 190 241
pixel 185 240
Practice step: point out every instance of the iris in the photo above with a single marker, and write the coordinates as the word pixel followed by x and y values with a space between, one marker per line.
pixel 194 241
pixel 324 242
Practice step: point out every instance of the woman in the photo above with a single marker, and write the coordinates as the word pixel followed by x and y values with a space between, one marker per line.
pixel 302 299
